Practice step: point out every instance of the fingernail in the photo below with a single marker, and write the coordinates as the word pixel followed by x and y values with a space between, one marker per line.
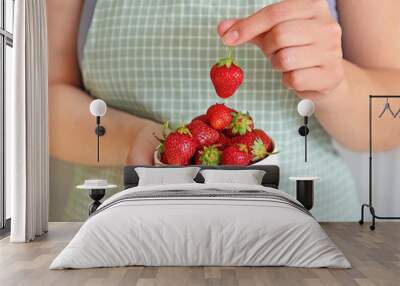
pixel 231 37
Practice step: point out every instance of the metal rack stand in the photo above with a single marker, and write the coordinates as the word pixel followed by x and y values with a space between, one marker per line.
pixel 370 205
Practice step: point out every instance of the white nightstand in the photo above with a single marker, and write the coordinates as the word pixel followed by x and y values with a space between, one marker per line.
pixel 305 190
pixel 97 190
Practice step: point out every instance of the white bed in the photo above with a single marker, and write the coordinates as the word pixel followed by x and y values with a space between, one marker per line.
pixel 246 225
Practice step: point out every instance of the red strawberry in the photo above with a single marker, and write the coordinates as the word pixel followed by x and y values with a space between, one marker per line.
pixel 208 155
pixel 269 144
pixel 163 157
pixel 232 110
pixel 226 75
pixel 241 124
pixel 203 133
pixel 254 143
pixel 236 154
pixel 222 141
pixel 219 116
pixel 202 117
pixel 179 147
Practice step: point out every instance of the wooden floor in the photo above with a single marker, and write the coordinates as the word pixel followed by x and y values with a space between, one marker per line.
pixel 375 257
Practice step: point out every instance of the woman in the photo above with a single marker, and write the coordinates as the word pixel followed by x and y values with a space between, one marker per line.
pixel 149 60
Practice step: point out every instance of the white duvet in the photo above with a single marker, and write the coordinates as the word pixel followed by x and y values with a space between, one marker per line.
pixel 200 231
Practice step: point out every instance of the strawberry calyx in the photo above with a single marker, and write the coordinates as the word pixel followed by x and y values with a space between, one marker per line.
pixel 184 130
pixel 211 155
pixel 241 123
pixel 243 148
pixel 166 130
pixel 228 60
pixel 258 150
pixel 160 147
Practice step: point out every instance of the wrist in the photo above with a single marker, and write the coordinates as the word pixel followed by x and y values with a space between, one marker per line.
pixel 339 94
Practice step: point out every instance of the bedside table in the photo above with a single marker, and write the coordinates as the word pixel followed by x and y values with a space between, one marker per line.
pixel 97 190
pixel 305 190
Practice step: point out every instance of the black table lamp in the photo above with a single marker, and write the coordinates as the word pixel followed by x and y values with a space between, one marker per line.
pixel 305 108
pixel 98 108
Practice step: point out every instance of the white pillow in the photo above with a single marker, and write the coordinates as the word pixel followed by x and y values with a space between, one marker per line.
pixel 165 176
pixel 248 177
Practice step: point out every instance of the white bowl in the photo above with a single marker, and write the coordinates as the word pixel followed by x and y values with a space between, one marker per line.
pixel 272 159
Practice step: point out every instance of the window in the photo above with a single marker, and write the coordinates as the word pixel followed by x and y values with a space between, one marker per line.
pixel 6 65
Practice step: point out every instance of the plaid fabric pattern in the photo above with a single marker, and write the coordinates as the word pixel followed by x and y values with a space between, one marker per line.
pixel 152 58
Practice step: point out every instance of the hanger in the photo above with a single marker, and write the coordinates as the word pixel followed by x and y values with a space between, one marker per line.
pixel 397 113
pixel 387 107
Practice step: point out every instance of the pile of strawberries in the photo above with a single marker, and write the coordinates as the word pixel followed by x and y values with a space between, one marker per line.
pixel 222 136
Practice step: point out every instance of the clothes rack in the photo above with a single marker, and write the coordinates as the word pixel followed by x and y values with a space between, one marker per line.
pixel 370 202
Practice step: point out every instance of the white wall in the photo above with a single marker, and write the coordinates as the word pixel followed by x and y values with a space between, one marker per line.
pixel 386 179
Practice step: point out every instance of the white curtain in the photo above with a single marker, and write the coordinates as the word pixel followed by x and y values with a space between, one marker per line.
pixel 27 156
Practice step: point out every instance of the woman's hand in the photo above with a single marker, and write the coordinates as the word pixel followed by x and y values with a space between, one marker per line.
pixel 144 144
pixel 300 38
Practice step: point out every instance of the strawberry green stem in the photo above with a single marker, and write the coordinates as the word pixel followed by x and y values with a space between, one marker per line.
pixel 228 52
pixel 228 60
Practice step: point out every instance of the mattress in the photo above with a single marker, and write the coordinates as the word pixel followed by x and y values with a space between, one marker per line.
pixel 201 225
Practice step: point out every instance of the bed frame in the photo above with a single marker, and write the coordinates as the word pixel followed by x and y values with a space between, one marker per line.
pixel 271 177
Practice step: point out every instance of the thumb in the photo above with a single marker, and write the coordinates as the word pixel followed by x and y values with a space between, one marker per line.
pixel 225 25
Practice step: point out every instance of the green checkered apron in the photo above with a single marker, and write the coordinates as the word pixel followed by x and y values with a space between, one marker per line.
pixel 152 58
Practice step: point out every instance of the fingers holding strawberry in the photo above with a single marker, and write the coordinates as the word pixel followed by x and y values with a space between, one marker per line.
pixel 300 38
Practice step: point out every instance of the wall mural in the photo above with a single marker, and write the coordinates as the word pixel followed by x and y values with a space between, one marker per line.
pixel 168 91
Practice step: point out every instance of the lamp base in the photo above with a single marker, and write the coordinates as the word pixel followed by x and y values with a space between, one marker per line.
pixel 303 130
pixel 96 195
pixel 100 130
pixel 305 193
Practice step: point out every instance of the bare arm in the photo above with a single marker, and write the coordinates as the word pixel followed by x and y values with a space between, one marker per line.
pixel 371 45
pixel 304 43
pixel 128 139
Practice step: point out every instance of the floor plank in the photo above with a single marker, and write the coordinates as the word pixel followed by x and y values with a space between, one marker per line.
pixel 375 257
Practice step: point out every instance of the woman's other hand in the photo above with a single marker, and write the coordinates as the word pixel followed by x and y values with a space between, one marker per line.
pixel 300 38
pixel 144 144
